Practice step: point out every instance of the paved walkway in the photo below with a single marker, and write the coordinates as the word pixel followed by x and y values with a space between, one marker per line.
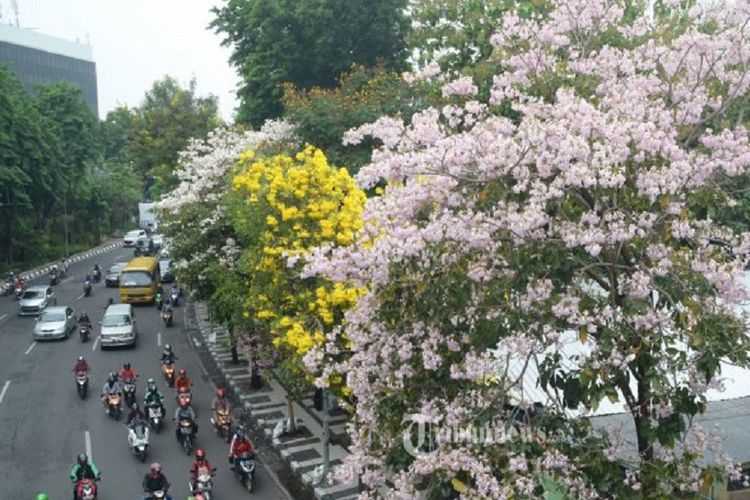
pixel 268 406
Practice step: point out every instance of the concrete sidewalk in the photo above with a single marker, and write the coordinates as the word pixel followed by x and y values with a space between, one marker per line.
pixel 268 406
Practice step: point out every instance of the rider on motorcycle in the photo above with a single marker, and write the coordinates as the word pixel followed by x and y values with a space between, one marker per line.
pixel 199 462
pixel 84 319
pixel 87 279
pixel 83 469
pixel 111 386
pixel 135 415
pixel 240 444
pixel 184 413
pixel 220 402
pixel 152 396
pixel 167 355
pixel 127 373
pixel 155 481
pixel 182 380
pixel 97 270
pixel 81 365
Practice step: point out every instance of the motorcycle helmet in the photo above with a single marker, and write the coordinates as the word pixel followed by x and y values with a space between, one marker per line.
pixel 200 454
pixel 167 348
pixel 80 358
pixel 183 373
pixel 82 459
pixel 220 393
pixel 126 365
pixel 155 468
pixel 41 496
pixel 135 406
pixel 241 431
pixel 112 377
pixel 151 383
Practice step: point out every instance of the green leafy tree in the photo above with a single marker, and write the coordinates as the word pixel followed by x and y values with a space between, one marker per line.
pixel 307 43
pixel 162 126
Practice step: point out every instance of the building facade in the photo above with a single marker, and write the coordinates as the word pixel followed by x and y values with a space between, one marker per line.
pixel 41 59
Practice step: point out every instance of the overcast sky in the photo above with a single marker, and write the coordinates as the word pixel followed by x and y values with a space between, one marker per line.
pixel 138 41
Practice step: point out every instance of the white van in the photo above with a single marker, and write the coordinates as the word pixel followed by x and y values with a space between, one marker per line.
pixel 118 326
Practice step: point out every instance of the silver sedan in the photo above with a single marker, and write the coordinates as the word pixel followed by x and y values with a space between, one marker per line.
pixel 55 323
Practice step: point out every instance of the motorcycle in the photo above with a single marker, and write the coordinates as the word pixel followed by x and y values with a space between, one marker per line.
pixel 244 470
pixel 167 315
pixel 175 296
pixel 187 434
pixel 159 300
pixel 138 436
pixel 113 405
pixel 54 278
pixel 97 275
pixel 84 331
pixel 128 389
pixel 82 383
pixel 87 288
pixel 222 422
pixel 157 495
pixel 18 289
pixel 167 369
pixel 184 397
pixel 86 489
pixel 155 416
pixel 203 485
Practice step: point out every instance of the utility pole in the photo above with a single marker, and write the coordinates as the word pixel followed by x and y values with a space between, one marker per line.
pixel 65 219
pixel 322 472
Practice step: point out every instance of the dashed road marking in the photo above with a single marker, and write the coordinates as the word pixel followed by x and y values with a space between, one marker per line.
pixel 79 297
pixel 158 339
pixel 67 279
pixel 87 441
pixel 96 342
pixel 5 389
pixel 33 344
pixel 3 317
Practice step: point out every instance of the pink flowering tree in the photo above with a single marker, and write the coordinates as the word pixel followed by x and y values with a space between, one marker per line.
pixel 550 243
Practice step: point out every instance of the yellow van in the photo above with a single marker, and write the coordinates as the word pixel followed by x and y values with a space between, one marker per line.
pixel 139 280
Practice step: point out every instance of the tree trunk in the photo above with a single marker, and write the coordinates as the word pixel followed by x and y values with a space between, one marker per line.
pixel 292 420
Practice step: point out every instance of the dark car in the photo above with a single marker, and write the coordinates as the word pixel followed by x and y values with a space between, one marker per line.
pixel 167 275
pixel 112 279
pixel 144 246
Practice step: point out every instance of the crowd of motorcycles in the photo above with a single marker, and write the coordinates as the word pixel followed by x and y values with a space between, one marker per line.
pixel 153 416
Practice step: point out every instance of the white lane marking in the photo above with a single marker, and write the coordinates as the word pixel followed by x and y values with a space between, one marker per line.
pixel 33 344
pixel 87 440
pixel 79 297
pixel 158 339
pixel 68 279
pixel 5 389
pixel 3 317
pixel 93 347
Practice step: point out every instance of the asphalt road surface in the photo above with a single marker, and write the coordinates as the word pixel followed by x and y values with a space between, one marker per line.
pixel 44 425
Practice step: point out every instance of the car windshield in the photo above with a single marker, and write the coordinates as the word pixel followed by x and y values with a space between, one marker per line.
pixel 52 317
pixel 31 294
pixel 133 234
pixel 135 279
pixel 116 320
pixel 117 268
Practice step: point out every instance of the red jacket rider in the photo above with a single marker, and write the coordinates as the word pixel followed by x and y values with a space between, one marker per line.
pixel 240 444
pixel 126 372
pixel 199 462
pixel 182 380
pixel 81 365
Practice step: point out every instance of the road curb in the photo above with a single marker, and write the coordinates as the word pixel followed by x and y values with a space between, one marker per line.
pixel 44 269
pixel 268 407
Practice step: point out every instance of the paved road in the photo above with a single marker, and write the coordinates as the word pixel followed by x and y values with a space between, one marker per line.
pixel 44 424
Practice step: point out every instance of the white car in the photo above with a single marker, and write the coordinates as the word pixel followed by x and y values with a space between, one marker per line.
pixel 118 326
pixel 132 236
pixel 158 240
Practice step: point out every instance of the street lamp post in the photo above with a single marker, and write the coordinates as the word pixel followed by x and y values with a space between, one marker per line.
pixel 65 220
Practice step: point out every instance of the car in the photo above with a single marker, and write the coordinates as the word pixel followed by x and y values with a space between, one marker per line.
pixel 142 246
pixel 167 275
pixel 35 299
pixel 132 236
pixel 118 326
pixel 112 278
pixel 55 323
pixel 158 240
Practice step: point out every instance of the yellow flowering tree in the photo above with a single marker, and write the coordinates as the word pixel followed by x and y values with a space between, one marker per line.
pixel 285 206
